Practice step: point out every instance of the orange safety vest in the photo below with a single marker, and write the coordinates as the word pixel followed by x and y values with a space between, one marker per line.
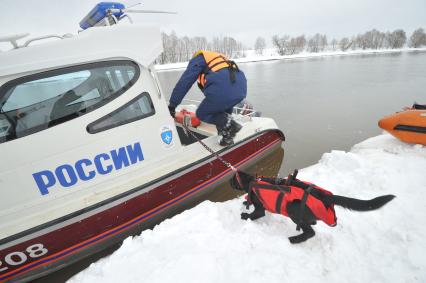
pixel 215 62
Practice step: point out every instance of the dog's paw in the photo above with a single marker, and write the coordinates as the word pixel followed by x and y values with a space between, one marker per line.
pixel 297 239
pixel 245 216
pixel 308 233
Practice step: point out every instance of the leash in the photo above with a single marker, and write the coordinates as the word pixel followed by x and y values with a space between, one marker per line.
pixel 185 123
pixel 226 163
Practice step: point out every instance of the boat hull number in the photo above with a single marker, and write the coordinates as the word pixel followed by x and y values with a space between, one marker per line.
pixel 20 257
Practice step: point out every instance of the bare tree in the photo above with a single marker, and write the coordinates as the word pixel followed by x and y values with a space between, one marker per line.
pixel 345 44
pixel 323 42
pixel 418 38
pixel 226 45
pixel 334 43
pixel 178 49
pixel 187 49
pixel 396 39
pixel 240 51
pixel 317 43
pixel 377 39
pixel 280 43
pixel 354 43
pixel 230 47
pixel 199 43
pixel 301 42
pixel 163 56
pixel 295 45
pixel 373 39
pixel 313 44
pixel 361 42
pixel 259 45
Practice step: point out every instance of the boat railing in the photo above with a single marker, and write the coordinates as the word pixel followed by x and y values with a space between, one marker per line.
pixel 67 35
pixel 13 39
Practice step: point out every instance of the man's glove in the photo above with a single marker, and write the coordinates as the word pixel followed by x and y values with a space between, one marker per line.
pixel 172 110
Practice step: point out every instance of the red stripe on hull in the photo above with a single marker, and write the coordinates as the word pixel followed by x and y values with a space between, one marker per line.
pixel 114 222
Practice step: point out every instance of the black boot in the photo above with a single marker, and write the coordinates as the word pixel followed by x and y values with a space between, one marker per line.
pixel 234 128
pixel 226 139
pixel 228 132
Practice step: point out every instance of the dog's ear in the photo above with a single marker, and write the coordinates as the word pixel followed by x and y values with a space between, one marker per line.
pixel 246 176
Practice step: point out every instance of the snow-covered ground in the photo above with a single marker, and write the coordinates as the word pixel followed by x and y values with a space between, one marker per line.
pixel 271 54
pixel 210 243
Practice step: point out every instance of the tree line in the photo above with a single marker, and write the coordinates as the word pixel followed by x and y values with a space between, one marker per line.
pixel 181 49
pixel 373 39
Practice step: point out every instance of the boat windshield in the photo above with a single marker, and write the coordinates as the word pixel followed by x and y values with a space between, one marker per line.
pixel 37 102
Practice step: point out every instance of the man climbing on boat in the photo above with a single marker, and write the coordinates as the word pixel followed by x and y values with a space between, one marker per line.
pixel 223 86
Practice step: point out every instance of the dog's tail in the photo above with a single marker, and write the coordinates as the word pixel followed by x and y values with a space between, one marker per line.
pixel 358 204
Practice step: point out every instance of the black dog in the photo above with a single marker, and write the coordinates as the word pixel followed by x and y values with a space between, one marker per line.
pixel 296 204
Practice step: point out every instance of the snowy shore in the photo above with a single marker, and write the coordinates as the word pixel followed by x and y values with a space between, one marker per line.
pixel 210 243
pixel 271 54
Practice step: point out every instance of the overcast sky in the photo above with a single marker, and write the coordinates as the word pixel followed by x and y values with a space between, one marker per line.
pixel 243 19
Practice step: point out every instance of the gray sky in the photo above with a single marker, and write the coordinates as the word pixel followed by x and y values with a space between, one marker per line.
pixel 243 19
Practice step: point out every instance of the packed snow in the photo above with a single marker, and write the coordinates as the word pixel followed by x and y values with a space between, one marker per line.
pixel 210 243
pixel 271 54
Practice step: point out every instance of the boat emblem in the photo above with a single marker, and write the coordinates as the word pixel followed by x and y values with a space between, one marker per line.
pixel 167 136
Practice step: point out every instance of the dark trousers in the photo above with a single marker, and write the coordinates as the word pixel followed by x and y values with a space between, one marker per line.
pixel 216 111
pixel 221 95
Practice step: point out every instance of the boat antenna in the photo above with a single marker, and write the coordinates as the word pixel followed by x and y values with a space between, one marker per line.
pixel 134 5
pixel 130 10
pixel 148 11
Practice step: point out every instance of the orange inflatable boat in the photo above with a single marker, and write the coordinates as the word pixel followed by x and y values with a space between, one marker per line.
pixel 408 126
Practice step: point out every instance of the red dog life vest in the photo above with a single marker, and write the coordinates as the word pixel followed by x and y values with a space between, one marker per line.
pixel 275 200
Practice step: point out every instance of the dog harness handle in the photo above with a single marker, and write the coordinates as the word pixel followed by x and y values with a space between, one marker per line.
pixel 291 177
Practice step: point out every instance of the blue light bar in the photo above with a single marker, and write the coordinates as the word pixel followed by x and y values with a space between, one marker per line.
pixel 99 12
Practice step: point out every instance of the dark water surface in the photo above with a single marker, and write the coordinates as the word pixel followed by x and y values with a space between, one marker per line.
pixel 320 104
pixel 328 103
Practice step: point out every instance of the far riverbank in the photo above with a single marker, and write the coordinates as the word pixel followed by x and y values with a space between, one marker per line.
pixel 271 55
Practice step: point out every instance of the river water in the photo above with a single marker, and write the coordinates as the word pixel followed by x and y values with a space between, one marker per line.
pixel 327 103
pixel 320 104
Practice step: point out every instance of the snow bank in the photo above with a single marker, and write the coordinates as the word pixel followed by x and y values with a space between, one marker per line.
pixel 271 54
pixel 211 244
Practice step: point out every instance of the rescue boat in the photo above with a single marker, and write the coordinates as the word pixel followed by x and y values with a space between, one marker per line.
pixel 90 153
pixel 408 126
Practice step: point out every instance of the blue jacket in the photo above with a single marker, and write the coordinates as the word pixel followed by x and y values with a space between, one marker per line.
pixel 218 87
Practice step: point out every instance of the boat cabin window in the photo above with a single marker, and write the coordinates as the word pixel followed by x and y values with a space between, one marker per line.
pixel 37 102
pixel 136 109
